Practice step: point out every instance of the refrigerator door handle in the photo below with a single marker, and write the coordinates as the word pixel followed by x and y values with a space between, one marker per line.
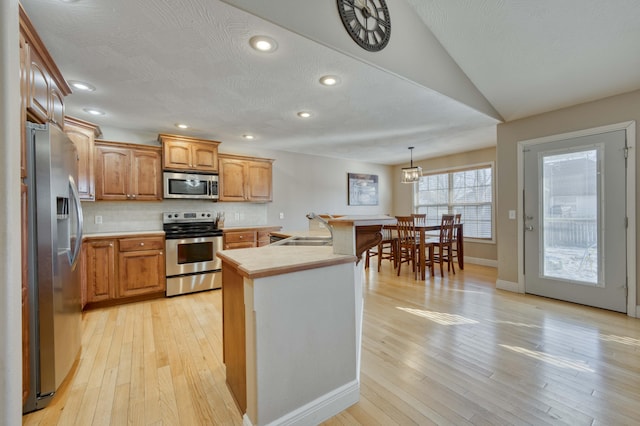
pixel 76 202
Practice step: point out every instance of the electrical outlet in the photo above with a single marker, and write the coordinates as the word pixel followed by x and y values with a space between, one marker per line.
pixel 98 220
pixel 281 215
pixel 512 214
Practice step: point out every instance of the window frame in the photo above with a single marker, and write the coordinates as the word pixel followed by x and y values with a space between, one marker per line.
pixel 450 171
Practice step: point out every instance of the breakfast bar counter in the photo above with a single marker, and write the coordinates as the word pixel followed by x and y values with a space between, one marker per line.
pixel 292 326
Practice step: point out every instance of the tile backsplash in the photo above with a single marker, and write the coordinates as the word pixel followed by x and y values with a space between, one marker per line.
pixel 131 216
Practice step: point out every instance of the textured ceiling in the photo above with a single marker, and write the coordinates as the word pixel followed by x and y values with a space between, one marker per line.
pixel 157 63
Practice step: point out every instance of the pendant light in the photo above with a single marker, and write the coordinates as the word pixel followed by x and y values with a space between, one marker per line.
pixel 411 174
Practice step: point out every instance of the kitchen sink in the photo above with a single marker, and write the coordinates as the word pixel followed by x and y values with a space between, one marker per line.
pixel 304 241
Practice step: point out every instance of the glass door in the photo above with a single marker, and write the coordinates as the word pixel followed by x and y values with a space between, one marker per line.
pixel 575 228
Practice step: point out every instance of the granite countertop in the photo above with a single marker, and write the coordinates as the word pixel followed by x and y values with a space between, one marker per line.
pixel 277 260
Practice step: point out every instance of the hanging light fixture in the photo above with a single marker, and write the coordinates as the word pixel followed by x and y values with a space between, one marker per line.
pixel 411 174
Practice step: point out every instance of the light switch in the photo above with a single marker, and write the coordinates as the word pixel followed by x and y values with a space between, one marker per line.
pixel 512 214
pixel 281 215
pixel 98 220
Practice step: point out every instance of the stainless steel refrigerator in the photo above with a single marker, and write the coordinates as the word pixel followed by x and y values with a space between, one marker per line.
pixel 55 238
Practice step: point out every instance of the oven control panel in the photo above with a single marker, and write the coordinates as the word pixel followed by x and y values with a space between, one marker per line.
pixel 171 217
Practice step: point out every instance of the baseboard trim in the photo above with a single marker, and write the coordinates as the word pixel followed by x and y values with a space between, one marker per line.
pixel 508 286
pixel 320 409
pixel 481 261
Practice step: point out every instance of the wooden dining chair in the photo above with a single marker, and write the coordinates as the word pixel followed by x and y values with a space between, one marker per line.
pixel 442 246
pixel 387 249
pixel 457 219
pixel 419 219
pixel 407 244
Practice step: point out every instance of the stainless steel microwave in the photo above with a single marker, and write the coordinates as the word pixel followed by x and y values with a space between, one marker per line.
pixel 190 185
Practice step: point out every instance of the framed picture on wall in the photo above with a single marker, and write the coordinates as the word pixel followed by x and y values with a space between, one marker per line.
pixel 363 189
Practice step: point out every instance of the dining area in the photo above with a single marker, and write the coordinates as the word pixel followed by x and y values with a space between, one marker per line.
pixel 421 245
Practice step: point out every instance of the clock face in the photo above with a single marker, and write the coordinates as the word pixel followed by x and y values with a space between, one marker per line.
pixel 367 22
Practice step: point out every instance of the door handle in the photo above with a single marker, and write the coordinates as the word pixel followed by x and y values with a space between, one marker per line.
pixel 528 228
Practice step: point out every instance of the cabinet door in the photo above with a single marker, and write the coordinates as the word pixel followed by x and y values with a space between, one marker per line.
pixel 264 238
pixel 177 155
pixel 56 106
pixel 232 180
pixel 83 140
pixel 101 270
pixel 259 181
pixel 112 173
pixel 38 99
pixel 141 272
pixel 204 157
pixel 146 182
pixel 24 93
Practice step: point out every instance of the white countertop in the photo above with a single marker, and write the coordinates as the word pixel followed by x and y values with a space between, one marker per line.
pixel 121 234
pixel 276 260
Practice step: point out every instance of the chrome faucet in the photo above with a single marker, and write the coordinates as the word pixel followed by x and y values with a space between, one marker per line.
pixel 313 216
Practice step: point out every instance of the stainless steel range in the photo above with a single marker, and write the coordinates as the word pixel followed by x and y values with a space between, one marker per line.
pixel 192 241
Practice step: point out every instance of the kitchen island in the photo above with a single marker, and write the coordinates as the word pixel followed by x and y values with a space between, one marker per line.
pixel 292 318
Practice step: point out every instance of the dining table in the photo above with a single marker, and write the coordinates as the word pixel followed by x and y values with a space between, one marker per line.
pixel 422 232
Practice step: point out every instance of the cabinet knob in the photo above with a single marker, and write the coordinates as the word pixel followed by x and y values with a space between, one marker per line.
pixel 133 196
pixel 110 244
pixel 241 236
pixel 141 244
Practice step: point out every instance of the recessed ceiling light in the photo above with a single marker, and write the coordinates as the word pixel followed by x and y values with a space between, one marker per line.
pixel 81 85
pixel 93 111
pixel 329 80
pixel 182 126
pixel 247 136
pixel 263 43
pixel 304 114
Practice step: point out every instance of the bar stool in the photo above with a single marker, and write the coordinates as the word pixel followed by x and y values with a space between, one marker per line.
pixel 387 249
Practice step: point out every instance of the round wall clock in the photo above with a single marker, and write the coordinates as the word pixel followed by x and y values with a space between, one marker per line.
pixel 367 22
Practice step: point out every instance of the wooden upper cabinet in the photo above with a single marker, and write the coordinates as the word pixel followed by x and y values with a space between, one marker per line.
pixel 24 57
pixel 245 178
pixel 232 179
pixel 39 89
pixel 259 174
pixel 182 153
pixel 45 85
pixel 83 135
pixel 127 172
pixel 146 171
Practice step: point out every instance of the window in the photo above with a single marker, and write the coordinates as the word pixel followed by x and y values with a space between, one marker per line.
pixel 468 191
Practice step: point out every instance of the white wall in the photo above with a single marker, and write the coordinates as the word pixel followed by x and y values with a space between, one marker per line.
pixel 10 261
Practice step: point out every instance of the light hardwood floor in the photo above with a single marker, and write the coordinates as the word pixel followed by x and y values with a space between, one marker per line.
pixel 445 351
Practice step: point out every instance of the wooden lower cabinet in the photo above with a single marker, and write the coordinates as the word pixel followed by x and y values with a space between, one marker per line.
pixel 100 266
pixel 141 266
pixel 248 237
pixel 25 293
pixel 119 269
